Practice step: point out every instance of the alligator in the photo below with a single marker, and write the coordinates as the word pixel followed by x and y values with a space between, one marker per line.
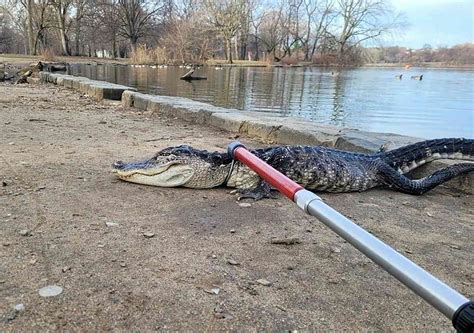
pixel 317 168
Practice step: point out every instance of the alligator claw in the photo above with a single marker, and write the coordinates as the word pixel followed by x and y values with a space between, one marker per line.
pixel 261 191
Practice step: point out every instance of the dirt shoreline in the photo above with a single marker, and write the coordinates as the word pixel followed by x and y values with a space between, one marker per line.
pixel 24 60
pixel 200 270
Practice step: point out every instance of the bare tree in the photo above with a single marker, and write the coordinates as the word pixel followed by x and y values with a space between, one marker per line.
pixel 28 7
pixel 256 19
pixel 80 8
pixel 61 9
pixel 271 32
pixel 226 16
pixel 362 20
pixel 31 18
pixel 135 18
pixel 324 17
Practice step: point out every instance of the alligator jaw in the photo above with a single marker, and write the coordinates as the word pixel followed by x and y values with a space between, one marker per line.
pixel 169 174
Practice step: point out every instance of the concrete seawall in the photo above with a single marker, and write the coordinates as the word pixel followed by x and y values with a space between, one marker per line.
pixel 281 130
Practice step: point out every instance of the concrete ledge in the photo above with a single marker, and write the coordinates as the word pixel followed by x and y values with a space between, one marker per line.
pixel 97 89
pixel 127 98
pixel 367 142
pixel 281 130
pixel 140 101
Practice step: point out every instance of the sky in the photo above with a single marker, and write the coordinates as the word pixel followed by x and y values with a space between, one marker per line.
pixel 435 22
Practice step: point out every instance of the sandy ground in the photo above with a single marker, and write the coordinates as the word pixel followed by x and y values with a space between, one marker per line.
pixel 66 221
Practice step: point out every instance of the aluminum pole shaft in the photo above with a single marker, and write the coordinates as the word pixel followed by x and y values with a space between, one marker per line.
pixel 434 291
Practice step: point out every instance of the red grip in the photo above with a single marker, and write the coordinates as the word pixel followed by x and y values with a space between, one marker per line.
pixel 272 176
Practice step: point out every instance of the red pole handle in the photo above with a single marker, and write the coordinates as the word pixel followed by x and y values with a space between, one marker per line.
pixel 272 176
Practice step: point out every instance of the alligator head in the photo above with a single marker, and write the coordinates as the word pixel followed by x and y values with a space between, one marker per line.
pixel 177 166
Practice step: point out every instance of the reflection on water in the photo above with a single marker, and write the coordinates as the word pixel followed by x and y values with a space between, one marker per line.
pixel 442 105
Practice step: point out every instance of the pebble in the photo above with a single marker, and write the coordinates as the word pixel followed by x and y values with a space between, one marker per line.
pixel 148 234
pixel 429 214
pixel 214 291
pixel 24 232
pixel 19 307
pixel 245 204
pixel 111 224
pixel 455 247
pixel 122 264
pixel 233 262
pixel 264 282
pixel 232 231
pixel 336 250
pixel 65 269
pixel 50 291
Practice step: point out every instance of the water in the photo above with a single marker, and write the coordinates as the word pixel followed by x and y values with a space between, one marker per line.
pixel 369 99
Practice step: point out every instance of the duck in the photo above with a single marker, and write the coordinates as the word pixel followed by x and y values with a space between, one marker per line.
pixel 417 77
pixel 399 76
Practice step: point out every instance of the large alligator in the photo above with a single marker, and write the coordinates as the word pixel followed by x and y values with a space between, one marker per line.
pixel 314 167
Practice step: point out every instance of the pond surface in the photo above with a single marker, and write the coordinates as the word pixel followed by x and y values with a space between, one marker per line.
pixel 369 99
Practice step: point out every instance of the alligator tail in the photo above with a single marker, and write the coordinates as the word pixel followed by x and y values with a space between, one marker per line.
pixel 392 178
pixel 407 158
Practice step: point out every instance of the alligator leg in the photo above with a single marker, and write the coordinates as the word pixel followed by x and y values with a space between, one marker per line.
pixel 262 191
pixel 392 178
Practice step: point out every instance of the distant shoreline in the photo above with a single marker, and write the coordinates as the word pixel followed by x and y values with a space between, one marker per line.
pixel 430 65
pixel 20 59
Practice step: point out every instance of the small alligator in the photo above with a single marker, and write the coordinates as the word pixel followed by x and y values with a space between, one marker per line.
pixel 314 167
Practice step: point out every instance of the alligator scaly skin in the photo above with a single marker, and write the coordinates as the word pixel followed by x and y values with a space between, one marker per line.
pixel 325 169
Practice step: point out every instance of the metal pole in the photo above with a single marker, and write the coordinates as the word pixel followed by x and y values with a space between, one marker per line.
pixel 445 299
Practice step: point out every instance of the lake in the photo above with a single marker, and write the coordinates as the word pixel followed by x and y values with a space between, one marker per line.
pixel 369 99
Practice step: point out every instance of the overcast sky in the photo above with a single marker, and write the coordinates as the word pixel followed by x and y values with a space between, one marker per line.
pixel 435 22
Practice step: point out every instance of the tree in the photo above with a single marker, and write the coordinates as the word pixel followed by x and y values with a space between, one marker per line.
pixel 80 7
pixel 226 16
pixel 362 20
pixel 271 32
pixel 135 17
pixel 319 15
pixel 61 9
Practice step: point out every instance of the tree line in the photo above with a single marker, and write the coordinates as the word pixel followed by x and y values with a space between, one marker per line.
pixel 462 54
pixel 179 31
